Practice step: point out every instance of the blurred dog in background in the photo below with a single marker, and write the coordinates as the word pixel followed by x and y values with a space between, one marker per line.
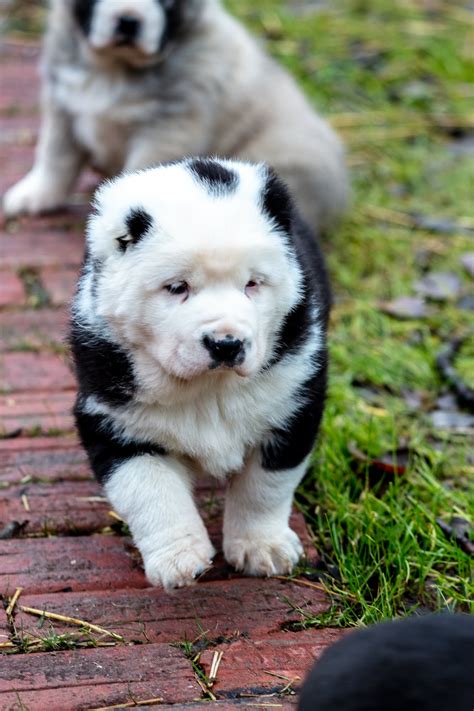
pixel 127 85
pixel 415 664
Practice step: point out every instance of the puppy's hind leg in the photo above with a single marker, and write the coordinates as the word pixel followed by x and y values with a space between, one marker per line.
pixel 153 494
pixel 57 165
pixel 257 537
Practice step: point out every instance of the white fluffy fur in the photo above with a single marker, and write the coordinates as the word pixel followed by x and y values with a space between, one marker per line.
pixel 209 421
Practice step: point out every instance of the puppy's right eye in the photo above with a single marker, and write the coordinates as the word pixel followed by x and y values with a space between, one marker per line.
pixel 177 288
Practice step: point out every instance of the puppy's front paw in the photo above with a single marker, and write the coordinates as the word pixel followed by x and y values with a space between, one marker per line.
pixel 264 552
pixel 178 563
pixel 31 195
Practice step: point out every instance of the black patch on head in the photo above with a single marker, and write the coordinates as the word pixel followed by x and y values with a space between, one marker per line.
pixel 215 177
pixel 276 201
pixel 83 12
pixel 138 223
pixel 103 369
pixel 105 448
pixel 287 446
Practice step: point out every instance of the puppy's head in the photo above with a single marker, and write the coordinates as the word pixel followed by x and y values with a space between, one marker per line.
pixel 133 31
pixel 192 262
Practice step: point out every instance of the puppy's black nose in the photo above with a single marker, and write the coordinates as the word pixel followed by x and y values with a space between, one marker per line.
pixel 228 350
pixel 127 28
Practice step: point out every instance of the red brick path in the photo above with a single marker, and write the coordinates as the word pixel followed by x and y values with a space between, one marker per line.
pixel 59 540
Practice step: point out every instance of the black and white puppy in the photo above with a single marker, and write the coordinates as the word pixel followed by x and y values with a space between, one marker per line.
pixel 130 84
pixel 199 338
pixel 415 664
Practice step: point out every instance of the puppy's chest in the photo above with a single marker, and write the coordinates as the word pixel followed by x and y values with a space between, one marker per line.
pixel 217 432
pixel 104 112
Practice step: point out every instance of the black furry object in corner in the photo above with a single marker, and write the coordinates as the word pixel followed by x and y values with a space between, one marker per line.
pixel 415 664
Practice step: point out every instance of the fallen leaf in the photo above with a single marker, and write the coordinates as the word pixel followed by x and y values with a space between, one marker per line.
pixel 395 462
pixel 405 307
pixel 458 530
pixel 439 286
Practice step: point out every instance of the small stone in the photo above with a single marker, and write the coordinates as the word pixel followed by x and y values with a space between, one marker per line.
pixel 467 260
pixel 439 286
pixel 405 307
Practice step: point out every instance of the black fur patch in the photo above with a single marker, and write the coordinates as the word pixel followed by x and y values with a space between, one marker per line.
pixel 420 662
pixel 178 14
pixel 83 12
pixel 276 201
pixel 107 451
pixel 294 330
pixel 214 176
pixel 103 369
pixel 316 292
pixel 138 223
pixel 287 447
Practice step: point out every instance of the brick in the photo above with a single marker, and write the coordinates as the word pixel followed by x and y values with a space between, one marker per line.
pixel 61 564
pixel 33 329
pixel 26 51
pixel 12 292
pixel 16 161
pixel 250 666
pixel 253 607
pixel 4 627
pixel 59 283
pixel 23 372
pixel 92 678
pixel 67 508
pixel 18 130
pixel 40 247
pixel 41 412
pixel 47 459
pixel 20 86
pixel 280 703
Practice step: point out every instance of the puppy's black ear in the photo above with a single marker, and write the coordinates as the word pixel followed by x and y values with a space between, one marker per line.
pixel 276 201
pixel 83 12
pixel 138 222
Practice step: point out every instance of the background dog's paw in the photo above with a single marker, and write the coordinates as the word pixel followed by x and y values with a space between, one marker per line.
pixel 31 195
pixel 179 563
pixel 264 552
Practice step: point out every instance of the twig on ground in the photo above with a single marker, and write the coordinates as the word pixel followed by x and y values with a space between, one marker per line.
pixel 71 620
pixel 216 660
pixel 299 581
pixel 12 603
pixel 130 704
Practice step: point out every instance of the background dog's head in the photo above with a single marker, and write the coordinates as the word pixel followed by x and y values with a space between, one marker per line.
pixel 133 31
pixel 192 263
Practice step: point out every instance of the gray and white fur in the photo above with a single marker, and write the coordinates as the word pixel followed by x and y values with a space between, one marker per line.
pixel 129 85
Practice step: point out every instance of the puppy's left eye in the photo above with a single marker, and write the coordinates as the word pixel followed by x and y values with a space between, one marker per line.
pixel 251 287
pixel 177 288
pixel 124 242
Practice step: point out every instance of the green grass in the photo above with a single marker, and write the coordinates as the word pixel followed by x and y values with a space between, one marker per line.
pixel 396 79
